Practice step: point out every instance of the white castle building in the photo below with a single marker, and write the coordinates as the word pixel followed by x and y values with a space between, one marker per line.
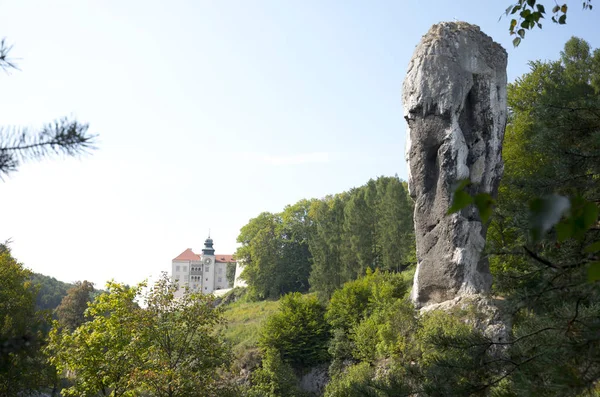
pixel 205 272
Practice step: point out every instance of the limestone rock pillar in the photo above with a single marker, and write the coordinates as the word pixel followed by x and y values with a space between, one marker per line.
pixel 454 99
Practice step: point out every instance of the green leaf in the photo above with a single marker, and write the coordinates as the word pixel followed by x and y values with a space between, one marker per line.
pixel 562 20
pixel 563 8
pixel 556 9
pixel 594 247
pixel 525 13
pixel 564 231
pixel 531 3
pixel 517 41
pixel 590 214
pixel 515 9
pixel 541 8
pixel 594 271
pixel 513 24
pixel 521 32
pixel 460 200
pixel 484 203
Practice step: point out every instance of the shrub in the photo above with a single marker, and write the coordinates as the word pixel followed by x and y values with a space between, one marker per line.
pixel 298 331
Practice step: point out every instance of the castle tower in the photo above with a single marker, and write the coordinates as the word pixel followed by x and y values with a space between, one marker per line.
pixel 209 268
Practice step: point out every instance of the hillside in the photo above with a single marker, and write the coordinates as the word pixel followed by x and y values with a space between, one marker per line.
pixel 243 323
pixel 51 291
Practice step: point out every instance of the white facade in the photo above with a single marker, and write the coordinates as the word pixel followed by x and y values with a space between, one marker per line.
pixel 206 272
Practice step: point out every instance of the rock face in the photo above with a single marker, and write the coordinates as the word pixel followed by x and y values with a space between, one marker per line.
pixel 315 381
pixel 454 99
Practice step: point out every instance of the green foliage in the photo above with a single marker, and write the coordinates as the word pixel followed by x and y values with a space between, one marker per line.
pixel 527 15
pixel 363 379
pixel 184 354
pixel 327 244
pixel 454 357
pixel 388 332
pixel 101 354
pixel 353 383
pixel 275 252
pixel 230 273
pixel 371 319
pixel 360 298
pixel 243 321
pixel 551 152
pixel 275 378
pixel 349 305
pixel 298 331
pixel 321 244
pixel 70 312
pixel 392 350
pixel 22 365
pixel 166 348
pixel 50 291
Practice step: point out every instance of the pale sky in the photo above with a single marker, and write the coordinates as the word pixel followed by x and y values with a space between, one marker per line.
pixel 210 112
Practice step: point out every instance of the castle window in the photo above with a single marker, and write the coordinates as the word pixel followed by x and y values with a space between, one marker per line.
pixel 207 269
pixel 176 268
pixel 185 268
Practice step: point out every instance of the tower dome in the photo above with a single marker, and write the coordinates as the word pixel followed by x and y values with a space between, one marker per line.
pixel 208 247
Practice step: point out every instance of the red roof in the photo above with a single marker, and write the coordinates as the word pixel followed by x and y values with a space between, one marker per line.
pixel 224 258
pixel 187 255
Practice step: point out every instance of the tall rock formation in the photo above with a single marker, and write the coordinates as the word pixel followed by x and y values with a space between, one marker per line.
pixel 455 104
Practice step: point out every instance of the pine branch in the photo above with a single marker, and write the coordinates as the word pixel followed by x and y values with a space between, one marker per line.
pixel 66 137
pixel 6 63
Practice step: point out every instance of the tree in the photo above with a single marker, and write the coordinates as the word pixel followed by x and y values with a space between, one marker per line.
pixel 529 13
pixel 396 230
pixel 183 355
pixel 359 227
pixel 295 258
pixel 22 365
pixel 230 273
pixel 275 251
pixel 63 136
pixel 275 378
pixel 259 254
pixel 326 245
pixel 71 311
pixel 351 314
pixel 551 152
pixel 298 331
pixel 167 348
pixel 102 355
pixel 50 291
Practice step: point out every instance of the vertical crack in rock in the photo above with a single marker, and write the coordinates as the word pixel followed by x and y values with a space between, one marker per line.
pixel 454 99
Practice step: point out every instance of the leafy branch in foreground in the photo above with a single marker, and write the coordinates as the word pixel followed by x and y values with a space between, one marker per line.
pixel 529 13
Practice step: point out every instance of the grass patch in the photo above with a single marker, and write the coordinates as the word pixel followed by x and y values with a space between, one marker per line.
pixel 244 320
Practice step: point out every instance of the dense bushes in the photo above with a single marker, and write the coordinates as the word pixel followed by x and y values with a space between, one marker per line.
pixel 298 331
